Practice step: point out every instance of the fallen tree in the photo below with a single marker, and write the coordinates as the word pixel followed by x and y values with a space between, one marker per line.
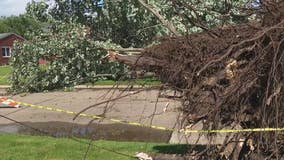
pixel 233 77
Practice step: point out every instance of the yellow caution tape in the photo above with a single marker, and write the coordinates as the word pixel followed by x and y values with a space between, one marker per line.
pixel 152 126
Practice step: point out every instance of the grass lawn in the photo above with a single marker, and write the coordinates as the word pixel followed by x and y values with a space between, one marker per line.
pixel 5 72
pixel 19 147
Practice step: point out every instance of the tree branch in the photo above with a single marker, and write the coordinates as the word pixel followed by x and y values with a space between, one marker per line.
pixel 166 23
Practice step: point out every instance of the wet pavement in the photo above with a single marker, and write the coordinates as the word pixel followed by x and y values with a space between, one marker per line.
pixel 114 132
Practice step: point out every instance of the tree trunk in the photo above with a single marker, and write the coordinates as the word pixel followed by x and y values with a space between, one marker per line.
pixel 134 60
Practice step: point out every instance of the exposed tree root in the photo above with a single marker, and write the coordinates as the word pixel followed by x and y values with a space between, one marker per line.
pixel 236 78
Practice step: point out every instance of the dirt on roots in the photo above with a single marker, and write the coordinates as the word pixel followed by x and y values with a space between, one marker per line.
pixel 230 76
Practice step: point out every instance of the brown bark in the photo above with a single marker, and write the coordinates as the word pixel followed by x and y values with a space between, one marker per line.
pixel 166 23
pixel 134 60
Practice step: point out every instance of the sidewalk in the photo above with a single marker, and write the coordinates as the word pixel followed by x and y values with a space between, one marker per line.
pixel 98 86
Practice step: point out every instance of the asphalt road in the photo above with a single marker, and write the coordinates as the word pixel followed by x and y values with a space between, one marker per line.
pixel 135 108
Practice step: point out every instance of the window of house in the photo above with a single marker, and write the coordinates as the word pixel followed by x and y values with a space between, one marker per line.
pixel 6 52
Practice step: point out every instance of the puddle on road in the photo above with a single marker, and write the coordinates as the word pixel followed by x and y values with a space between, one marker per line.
pixel 115 132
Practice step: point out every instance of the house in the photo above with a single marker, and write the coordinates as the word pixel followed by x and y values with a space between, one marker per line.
pixel 6 43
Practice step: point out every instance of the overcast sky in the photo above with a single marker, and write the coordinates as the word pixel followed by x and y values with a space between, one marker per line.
pixel 12 7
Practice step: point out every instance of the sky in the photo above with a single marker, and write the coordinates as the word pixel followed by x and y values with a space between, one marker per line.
pixel 15 7
pixel 12 7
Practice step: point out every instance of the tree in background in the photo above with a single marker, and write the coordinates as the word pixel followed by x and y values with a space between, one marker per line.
pixel 20 25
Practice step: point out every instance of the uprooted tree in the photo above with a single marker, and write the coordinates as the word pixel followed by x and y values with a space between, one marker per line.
pixel 71 59
pixel 230 75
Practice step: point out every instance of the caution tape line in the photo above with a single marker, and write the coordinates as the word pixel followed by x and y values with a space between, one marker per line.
pixel 236 130
pixel 93 116
pixel 186 131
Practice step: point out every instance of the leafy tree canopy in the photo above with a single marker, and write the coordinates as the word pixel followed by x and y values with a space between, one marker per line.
pixel 19 25
pixel 72 59
pixel 75 59
pixel 128 23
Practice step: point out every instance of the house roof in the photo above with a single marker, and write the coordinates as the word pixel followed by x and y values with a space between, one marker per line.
pixel 5 35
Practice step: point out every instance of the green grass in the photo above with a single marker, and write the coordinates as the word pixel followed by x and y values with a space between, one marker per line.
pixel 19 147
pixel 5 72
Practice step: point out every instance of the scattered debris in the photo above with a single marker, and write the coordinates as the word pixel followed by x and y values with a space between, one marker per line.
pixel 143 156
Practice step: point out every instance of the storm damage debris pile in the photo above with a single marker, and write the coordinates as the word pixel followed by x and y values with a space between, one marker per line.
pixel 228 76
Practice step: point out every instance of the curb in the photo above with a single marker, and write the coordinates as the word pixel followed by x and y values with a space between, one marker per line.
pixel 4 86
pixel 3 91
pixel 79 87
